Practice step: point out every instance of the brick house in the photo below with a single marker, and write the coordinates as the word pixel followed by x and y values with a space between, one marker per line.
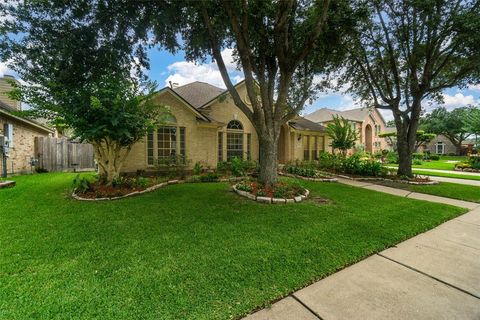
pixel 206 126
pixel 21 132
pixel 368 121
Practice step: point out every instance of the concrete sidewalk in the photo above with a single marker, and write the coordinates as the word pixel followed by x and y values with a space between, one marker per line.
pixel 442 171
pixel 435 275
pixel 475 183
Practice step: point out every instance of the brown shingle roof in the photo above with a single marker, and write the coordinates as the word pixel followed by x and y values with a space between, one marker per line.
pixel 198 93
pixel 305 124
pixel 325 114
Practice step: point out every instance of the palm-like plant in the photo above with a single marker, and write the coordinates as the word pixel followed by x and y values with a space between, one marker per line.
pixel 342 134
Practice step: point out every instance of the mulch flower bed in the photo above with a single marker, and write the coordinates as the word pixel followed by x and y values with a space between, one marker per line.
pixel 7 184
pixel 281 192
pixel 126 187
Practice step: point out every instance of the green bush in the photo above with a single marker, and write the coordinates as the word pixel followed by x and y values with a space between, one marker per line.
pixel 417 156
pixel 210 177
pixel 197 168
pixel 416 162
pixel 474 161
pixel 141 182
pixel 81 184
pixel 435 157
pixel 391 157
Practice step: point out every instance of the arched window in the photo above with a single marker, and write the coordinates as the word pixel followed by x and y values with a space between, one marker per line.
pixel 234 140
pixel 170 119
pixel 235 125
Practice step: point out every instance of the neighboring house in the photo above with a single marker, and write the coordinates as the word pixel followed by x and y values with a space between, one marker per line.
pixel 439 145
pixel 206 126
pixel 19 131
pixel 368 121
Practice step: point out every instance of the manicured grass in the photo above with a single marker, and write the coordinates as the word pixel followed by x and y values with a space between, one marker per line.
pixel 443 189
pixel 441 164
pixel 188 251
pixel 447 175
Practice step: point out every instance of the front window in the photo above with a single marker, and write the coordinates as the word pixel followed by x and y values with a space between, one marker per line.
pixel 306 148
pixel 165 142
pixel 315 148
pixel 234 140
pixel 220 146
pixel 234 145
pixel 440 146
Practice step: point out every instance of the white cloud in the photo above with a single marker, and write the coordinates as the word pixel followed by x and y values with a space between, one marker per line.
pixel 183 72
pixel 458 100
pixel 4 69
pixel 474 87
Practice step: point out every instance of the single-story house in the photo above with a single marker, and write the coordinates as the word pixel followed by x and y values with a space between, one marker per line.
pixel 20 132
pixel 368 121
pixel 206 126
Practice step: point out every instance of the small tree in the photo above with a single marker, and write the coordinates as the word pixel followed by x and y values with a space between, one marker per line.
pixel 452 124
pixel 78 68
pixel 342 134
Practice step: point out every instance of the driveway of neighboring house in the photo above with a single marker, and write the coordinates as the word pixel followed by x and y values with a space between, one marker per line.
pixel 434 275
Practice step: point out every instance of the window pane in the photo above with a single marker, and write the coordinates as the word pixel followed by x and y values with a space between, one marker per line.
pixel 234 145
pixel 220 146
pixel 249 146
pixel 315 148
pixel 306 147
pixel 150 147
pixel 182 141
pixel 167 142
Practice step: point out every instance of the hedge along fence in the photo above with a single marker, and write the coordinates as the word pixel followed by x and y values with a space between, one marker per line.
pixel 60 154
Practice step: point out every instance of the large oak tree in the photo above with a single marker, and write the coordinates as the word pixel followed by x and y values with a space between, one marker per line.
pixel 279 46
pixel 409 51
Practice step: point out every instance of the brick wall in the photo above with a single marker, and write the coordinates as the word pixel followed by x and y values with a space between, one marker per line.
pixel 23 145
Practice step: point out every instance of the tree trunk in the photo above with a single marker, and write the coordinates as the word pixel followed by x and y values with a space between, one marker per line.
pixel 404 157
pixel 268 149
pixel 110 157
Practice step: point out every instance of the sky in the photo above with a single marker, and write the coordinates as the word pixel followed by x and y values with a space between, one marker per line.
pixel 166 67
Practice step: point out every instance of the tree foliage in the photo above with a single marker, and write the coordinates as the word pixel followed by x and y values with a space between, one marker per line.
pixel 279 46
pixel 81 68
pixel 422 138
pixel 342 134
pixel 452 124
pixel 409 51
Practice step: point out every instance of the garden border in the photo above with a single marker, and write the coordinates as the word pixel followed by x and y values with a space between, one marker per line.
pixel 150 189
pixel 308 178
pixel 7 184
pixel 427 183
pixel 269 200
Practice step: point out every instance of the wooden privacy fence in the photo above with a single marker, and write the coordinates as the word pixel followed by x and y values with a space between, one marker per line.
pixel 60 154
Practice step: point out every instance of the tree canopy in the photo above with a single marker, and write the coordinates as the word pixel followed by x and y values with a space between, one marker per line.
pixel 409 51
pixel 279 46
pixel 82 67
pixel 452 124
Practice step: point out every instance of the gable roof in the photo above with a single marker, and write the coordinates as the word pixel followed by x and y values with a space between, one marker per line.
pixel 305 124
pixel 6 110
pixel 325 114
pixel 198 93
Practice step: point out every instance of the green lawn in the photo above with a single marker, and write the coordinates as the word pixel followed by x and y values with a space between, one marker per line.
pixel 443 189
pixel 447 175
pixel 189 251
pixel 441 164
